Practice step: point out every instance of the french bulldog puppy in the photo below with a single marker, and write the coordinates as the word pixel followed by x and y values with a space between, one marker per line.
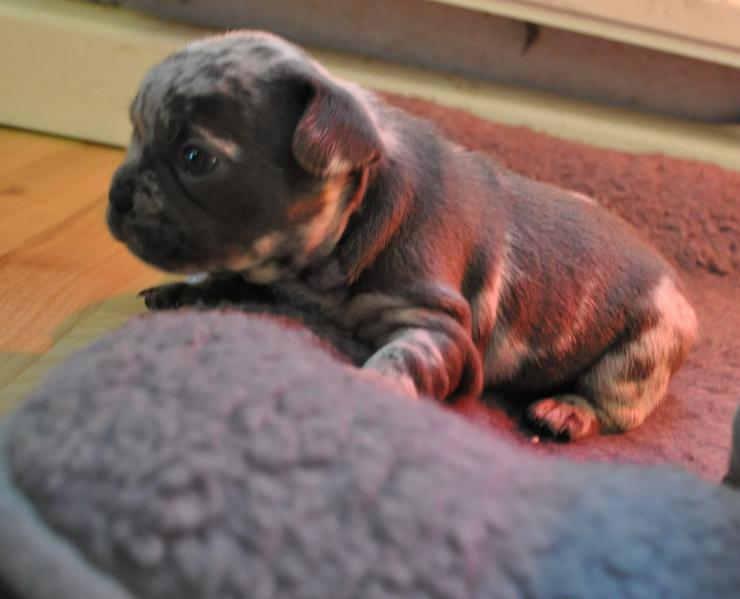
pixel 249 161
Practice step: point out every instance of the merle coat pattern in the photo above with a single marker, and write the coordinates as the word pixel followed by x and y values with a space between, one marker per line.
pixel 250 162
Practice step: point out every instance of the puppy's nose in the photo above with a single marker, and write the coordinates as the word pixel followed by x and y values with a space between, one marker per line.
pixel 121 195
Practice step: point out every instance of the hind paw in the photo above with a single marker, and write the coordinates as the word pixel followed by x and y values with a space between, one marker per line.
pixel 564 417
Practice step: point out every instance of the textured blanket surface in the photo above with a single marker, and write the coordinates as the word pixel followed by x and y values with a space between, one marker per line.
pixel 197 454
pixel 690 211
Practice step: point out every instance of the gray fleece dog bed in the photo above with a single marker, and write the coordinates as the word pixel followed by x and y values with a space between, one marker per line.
pixel 195 455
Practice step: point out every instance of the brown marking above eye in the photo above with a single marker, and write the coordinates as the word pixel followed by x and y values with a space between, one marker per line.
pixel 227 147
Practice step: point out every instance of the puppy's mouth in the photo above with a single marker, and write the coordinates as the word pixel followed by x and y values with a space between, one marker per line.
pixel 115 224
pixel 165 250
pixel 173 258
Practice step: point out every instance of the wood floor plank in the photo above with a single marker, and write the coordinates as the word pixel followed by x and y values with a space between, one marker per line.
pixel 39 192
pixel 23 371
pixel 19 148
pixel 12 364
pixel 63 279
pixel 59 273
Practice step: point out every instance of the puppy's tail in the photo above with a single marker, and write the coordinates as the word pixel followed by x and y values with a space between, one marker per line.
pixel 733 475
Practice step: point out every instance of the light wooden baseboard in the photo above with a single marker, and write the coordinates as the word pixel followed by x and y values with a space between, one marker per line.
pixel 70 68
pixel 703 29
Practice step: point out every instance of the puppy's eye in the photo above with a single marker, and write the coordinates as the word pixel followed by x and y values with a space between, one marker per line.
pixel 197 161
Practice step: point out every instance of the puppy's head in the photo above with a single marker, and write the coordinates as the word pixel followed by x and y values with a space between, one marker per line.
pixel 246 155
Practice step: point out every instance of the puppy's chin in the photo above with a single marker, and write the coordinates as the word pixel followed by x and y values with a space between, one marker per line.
pixel 172 258
pixel 115 225
pixel 172 261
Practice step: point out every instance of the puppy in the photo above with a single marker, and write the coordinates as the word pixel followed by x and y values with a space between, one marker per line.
pixel 250 162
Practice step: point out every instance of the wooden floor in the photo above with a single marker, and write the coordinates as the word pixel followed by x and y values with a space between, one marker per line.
pixel 63 279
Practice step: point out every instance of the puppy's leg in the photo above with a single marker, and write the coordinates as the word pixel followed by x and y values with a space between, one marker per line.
pixel 424 350
pixel 619 391
pixel 422 362
pixel 211 290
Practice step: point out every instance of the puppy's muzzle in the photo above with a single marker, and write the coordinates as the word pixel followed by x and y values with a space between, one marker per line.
pixel 121 195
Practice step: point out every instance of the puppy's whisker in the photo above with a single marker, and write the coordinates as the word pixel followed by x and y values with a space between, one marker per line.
pixel 175 134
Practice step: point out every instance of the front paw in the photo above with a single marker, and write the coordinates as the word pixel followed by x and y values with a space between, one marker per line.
pixel 170 297
pixel 389 366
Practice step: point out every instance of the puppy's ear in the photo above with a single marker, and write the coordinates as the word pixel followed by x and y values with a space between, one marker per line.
pixel 336 132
